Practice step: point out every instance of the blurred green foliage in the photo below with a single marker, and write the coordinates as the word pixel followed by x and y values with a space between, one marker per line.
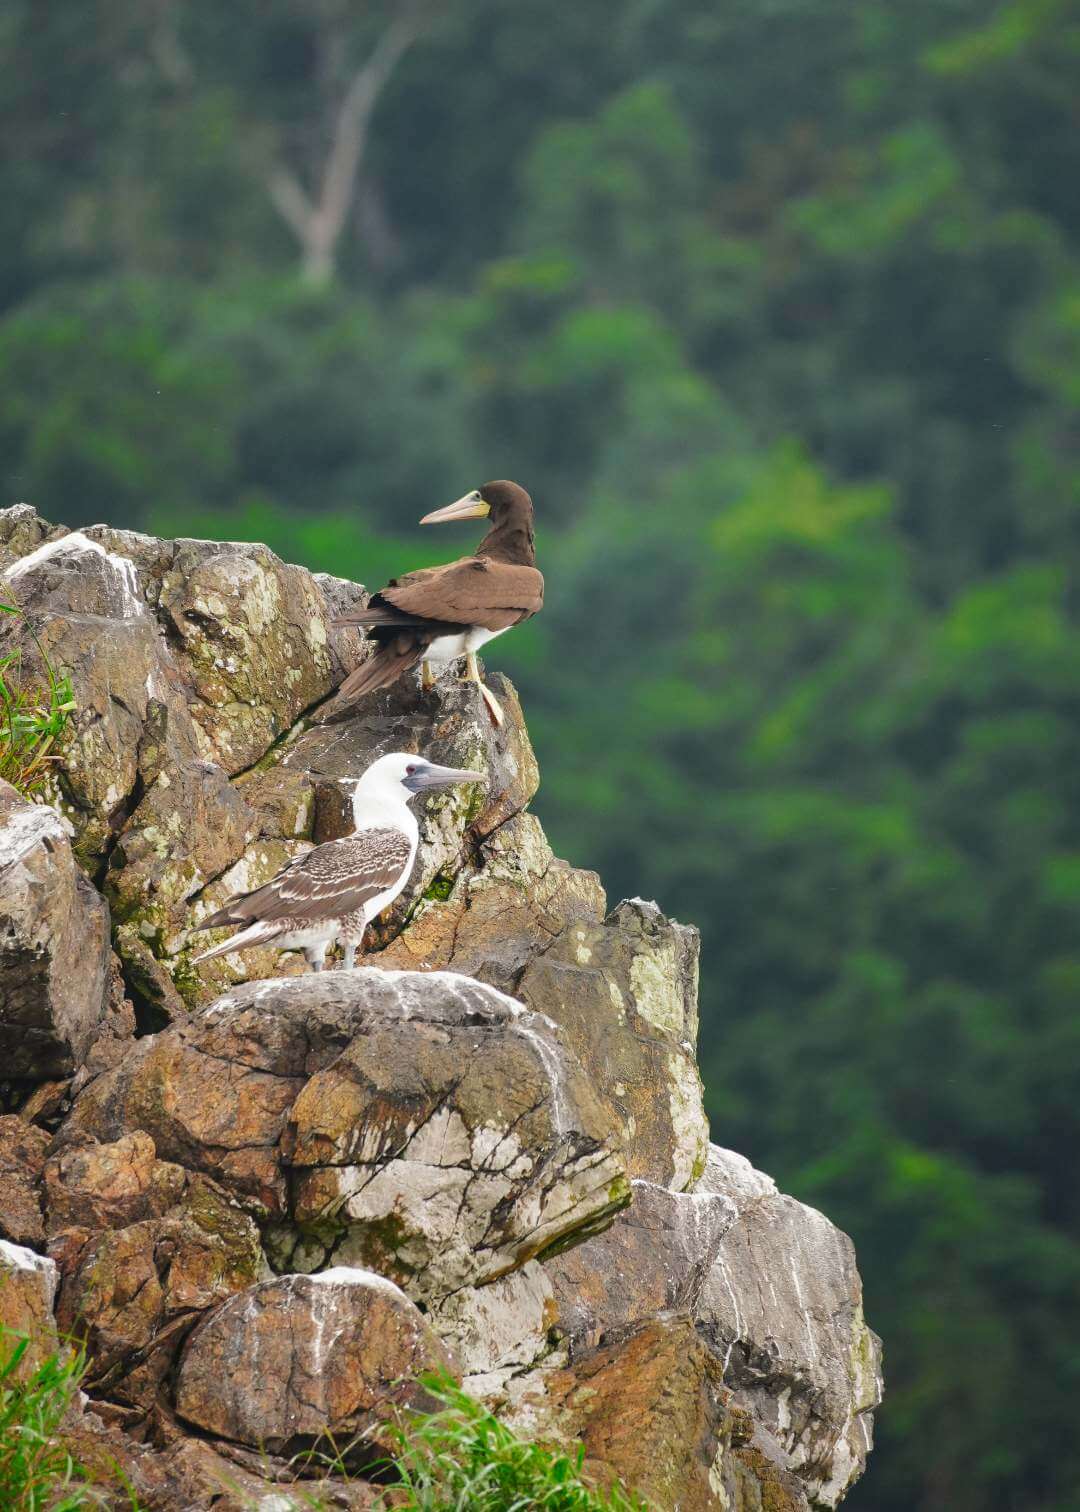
pixel 775 307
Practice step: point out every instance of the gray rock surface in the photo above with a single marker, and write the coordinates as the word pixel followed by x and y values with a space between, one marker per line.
pixel 54 945
pixel 624 991
pixel 654 1258
pixel 782 1310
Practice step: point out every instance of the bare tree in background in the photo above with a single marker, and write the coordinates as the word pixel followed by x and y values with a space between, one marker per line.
pixel 317 218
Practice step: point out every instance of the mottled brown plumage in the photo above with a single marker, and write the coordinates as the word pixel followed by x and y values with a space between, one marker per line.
pixel 332 880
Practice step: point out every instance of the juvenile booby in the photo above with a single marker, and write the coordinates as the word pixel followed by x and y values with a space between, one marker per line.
pixel 437 614
pixel 334 891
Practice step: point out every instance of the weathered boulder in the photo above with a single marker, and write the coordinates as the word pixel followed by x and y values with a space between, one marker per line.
pixel 106 1186
pixel 177 1473
pixel 22 1161
pixel 623 988
pixel 143 1248
pixel 21 532
pixel 782 1311
pixel 27 1292
pixel 424 1125
pixel 54 945
pixel 301 1357
pixel 509 901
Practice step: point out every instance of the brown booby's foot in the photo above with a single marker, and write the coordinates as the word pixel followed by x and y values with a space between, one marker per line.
pixel 427 677
pixel 472 674
pixel 494 706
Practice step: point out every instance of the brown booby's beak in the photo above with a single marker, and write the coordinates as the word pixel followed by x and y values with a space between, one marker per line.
pixel 470 507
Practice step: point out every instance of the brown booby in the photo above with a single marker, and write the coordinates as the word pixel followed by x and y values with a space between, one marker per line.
pixel 437 614
pixel 333 892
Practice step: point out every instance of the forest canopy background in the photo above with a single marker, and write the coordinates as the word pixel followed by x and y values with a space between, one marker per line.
pixel 774 305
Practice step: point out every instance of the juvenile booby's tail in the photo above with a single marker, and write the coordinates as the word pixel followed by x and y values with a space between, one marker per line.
pixel 260 933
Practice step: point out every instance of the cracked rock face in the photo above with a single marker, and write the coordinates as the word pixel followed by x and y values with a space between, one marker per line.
pixel 299 1357
pixel 654 1258
pixel 782 1310
pixel 423 1125
pixel 143 1248
pixel 648 1407
pixel 206 749
pixel 291 1193
pixel 54 945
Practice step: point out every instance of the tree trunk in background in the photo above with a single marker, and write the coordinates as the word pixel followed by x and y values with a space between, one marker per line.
pixel 317 222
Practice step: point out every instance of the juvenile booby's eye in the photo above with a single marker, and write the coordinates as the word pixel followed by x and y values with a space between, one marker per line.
pixel 409 770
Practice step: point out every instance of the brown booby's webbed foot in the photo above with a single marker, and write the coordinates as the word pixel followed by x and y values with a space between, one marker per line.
pixel 472 674
pixel 427 677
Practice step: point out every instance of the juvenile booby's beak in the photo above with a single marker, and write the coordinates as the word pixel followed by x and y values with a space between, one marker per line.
pixel 471 507
pixel 430 776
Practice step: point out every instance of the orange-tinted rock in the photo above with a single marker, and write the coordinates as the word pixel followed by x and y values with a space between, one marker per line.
pixel 649 1409
pixel 110 1185
pixel 303 1356
pixel 505 907
pixel 132 1293
pixel 22 1160
pixel 27 1291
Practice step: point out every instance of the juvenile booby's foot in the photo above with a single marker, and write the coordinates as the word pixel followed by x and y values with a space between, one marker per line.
pixel 427 677
pixel 472 674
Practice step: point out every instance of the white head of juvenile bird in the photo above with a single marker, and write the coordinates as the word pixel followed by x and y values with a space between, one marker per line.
pixel 384 791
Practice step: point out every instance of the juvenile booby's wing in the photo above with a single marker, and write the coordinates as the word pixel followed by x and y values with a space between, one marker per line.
pixel 331 880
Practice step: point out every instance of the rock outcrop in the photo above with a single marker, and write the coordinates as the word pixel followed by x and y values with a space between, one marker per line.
pixel 266 1201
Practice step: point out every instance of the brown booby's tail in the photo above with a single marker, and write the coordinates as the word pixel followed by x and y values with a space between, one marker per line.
pixel 400 643
pixel 392 660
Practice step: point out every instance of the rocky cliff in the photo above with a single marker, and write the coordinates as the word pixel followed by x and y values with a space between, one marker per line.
pixel 265 1199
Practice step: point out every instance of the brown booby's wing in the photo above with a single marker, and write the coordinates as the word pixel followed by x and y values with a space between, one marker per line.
pixel 472 591
pixel 331 880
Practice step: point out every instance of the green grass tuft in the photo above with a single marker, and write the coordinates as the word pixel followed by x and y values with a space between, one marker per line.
pixel 32 716
pixel 37 1473
pixel 462 1459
